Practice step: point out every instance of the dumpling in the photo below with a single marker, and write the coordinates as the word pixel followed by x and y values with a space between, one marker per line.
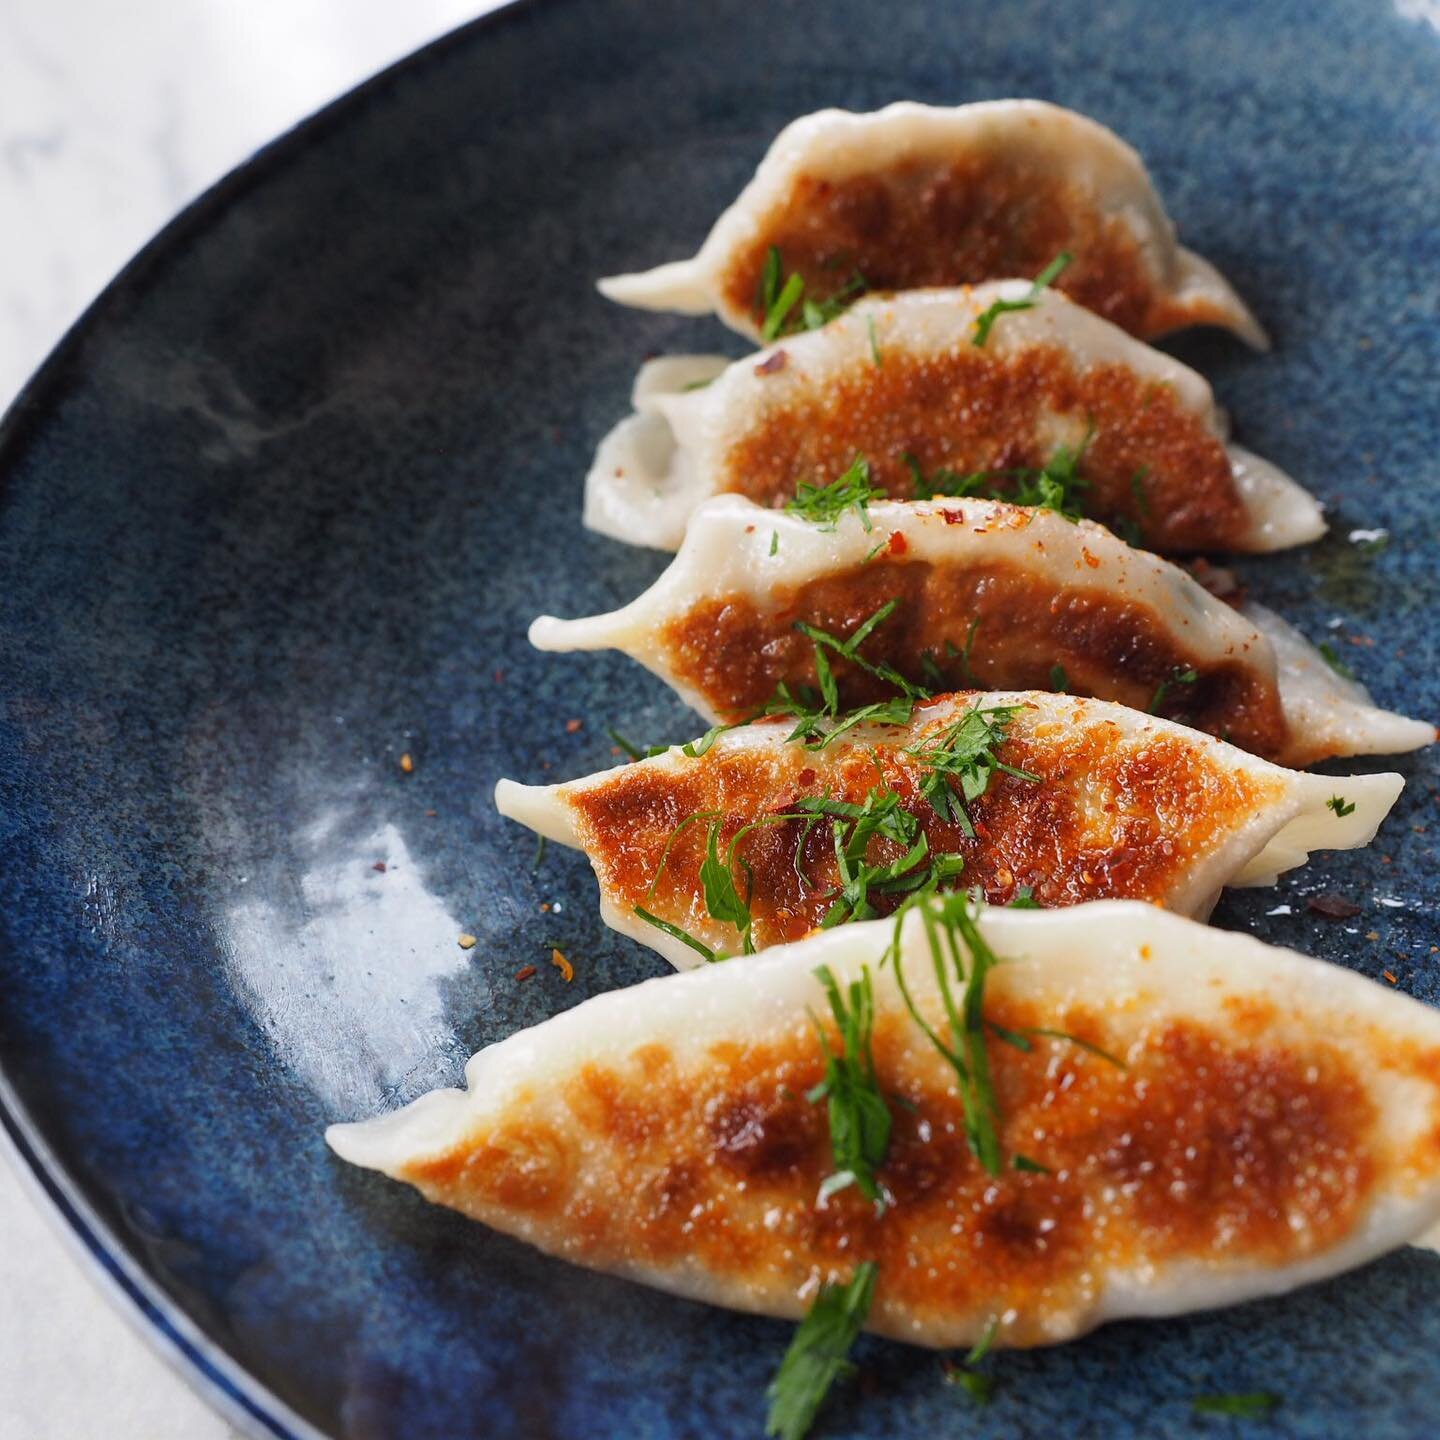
pixel 1276 1121
pixel 984 594
pixel 914 196
pixel 755 838
pixel 901 381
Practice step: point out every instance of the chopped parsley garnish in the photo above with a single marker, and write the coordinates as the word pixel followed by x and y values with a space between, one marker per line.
pixel 1340 805
pixel 943 482
pixel 817 716
pixel 859 1117
pixel 875 354
pixel 676 933
pixel 539 854
pixel 723 901
pixel 1024 899
pixel 811 721
pixel 694 749
pixel 965 754
pixel 1020 1040
pixel 717 879
pixel 823 505
pixel 986 320
pixel 1255 1405
pixel 1057 486
pixel 822 312
pixel 819 1354
pixel 698 384
pixel 1027 1166
pixel 981 1348
pixel 952 934
pixel 1332 659
pixel 632 750
pixel 979 1387
pixel 1059 680
pixel 967 651
pixel 779 295
pixel 774 541
pixel 854 826
pixel 1137 489
pixel 1180 677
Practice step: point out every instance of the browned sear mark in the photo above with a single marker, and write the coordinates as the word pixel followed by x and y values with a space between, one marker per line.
pixel 1107 819
pixel 1151 463
pixel 922 223
pixel 1207 1146
pixel 992 627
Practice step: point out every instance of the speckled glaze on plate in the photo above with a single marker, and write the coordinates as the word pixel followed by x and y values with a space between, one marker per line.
pixel 279 511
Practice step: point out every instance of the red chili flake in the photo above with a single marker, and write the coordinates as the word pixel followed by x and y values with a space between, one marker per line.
pixel 379 865
pixel 573 727
pixel 1390 977
pixel 525 972
pixel 407 763
pixel 431 814
pixel 499 676
pixel 898 543
pixel 771 363
pixel 1333 907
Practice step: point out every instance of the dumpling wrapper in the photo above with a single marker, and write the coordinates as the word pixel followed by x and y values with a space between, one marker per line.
pixel 1127 806
pixel 1049 377
pixel 1038 590
pixel 918 195
pixel 1278 1123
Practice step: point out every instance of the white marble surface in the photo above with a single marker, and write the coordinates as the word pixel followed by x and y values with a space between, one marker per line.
pixel 112 117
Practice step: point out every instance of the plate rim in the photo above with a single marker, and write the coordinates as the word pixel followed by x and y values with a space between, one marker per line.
pixel 203 1363
pixel 228 1387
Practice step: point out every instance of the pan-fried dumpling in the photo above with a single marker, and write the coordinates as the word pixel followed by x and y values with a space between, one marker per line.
pixel 1097 802
pixel 915 196
pixel 1276 1121
pixel 900 380
pixel 985 594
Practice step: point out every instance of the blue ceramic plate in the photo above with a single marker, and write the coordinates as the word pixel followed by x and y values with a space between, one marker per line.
pixel 279 511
